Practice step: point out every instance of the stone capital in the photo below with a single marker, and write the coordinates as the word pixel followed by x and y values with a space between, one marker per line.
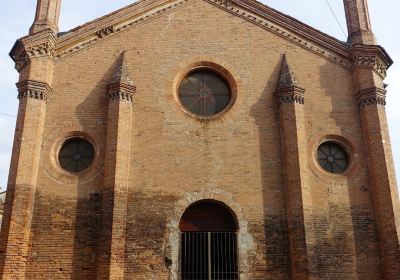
pixel 35 46
pixel 121 92
pixel 371 96
pixel 33 89
pixel 290 95
pixel 373 57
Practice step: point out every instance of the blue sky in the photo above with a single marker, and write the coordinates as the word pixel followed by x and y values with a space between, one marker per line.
pixel 17 16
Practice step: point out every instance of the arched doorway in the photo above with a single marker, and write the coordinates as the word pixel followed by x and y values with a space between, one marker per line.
pixel 208 242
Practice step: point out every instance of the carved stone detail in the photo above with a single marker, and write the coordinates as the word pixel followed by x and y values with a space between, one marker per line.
pixel 105 31
pixel 33 47
pixel 121 93
pixel 225 3
pixel 43 49
pixel 291 95
pixel 371 96
pixel 33 89
pixel 371 61
pixel 373 57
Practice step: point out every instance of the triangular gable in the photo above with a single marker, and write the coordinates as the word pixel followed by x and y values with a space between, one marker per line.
pixel 253 11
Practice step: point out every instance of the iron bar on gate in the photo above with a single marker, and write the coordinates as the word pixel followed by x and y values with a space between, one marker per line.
pixel 209 256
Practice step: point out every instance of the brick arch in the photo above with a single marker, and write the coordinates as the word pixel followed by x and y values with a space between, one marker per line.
pixel 246 245
pixel 208 215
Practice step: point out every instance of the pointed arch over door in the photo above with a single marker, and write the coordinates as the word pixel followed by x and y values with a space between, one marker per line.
pixel 208 242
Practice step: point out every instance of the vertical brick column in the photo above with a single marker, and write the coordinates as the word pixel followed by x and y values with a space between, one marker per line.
pixel 47 15
pixel 22 179
pixel 358 22
pixel 33 57
pixel 370 70
pixel 116 174
pixel 290 97
pixel 370 65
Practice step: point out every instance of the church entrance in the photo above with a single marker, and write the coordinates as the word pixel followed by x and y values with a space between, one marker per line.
pixel 209 248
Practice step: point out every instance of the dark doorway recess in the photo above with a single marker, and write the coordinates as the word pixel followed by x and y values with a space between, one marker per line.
pixel 208 242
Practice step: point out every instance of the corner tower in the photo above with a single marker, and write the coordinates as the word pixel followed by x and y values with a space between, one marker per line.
pixel 33 56
pixel 370 64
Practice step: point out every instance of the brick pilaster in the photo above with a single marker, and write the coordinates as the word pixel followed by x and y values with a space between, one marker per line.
pixel 370 70
pixel 33 56
pixel 290 97
pixel 22 179
pixel 370 65
pixel 116 174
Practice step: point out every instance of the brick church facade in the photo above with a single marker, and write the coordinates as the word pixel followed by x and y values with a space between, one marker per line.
pixel 200 139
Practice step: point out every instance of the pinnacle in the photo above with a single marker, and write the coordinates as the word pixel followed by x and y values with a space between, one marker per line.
pixel 287 77
pixel 121 74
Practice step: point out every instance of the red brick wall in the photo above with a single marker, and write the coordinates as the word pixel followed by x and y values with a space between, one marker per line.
pixel 173 155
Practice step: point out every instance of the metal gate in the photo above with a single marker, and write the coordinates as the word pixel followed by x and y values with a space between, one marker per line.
pixel 209 256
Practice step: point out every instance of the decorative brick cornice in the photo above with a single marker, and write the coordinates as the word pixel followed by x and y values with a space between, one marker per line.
pixel 121 92
pixel 105 31
pixel 225 3
pixel 290 95
pixel 371 96
pixel 373 57
pixel 292 30
pixel 70 45
pixel 30 47
pixel 252 11
pixel 33 89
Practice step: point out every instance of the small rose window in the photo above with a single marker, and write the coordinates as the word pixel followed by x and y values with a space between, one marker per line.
pixel 204 92
pixel 332 157
pixel 76 155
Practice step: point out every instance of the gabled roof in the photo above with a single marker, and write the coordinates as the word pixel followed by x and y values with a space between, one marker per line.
pixel 251 10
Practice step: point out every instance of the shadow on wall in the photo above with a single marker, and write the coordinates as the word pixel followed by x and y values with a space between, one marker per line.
pixel 345 227
pixel 275 230
pixel 88 242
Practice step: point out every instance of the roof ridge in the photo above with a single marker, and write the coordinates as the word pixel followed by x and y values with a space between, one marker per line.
pixel 245 2
pixel 291 18
pixel 274 21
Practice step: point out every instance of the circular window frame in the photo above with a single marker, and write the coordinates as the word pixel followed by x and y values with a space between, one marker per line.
pixel 60 143
pixel 224 75
pixel 342 147
pixel 345 145
pixel 51 145
pixel 64 142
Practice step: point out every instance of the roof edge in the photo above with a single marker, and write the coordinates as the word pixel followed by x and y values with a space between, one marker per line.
pixel 300 32
pixel 291 23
